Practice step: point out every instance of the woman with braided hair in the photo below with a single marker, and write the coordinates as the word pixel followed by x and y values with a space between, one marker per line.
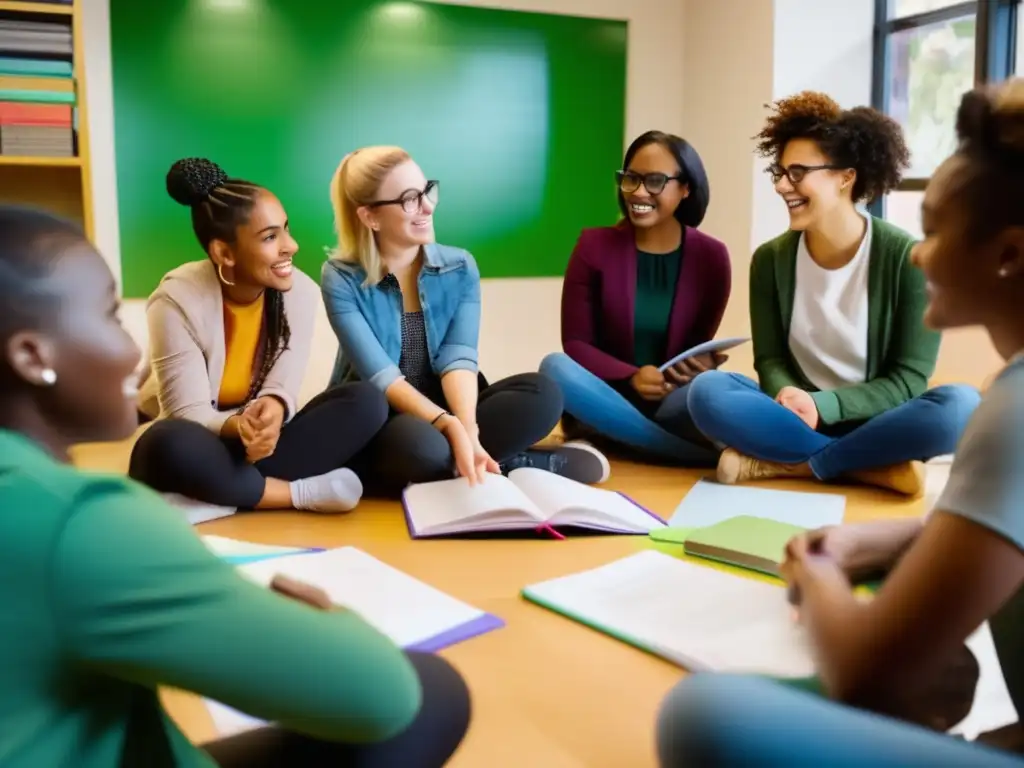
pixel 841 351
pixel 229 343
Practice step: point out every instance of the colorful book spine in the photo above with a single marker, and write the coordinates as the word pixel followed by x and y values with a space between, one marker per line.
pixel 36 97
pixel 36 67
pixel 33 83
pixel 20 113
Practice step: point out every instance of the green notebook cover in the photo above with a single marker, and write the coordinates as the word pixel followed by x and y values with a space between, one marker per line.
pixel 748 542
pixel 37 97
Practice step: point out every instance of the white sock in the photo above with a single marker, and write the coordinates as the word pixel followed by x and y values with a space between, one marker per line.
pixel 336 491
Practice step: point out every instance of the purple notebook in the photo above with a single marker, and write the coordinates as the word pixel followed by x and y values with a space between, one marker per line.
pixel 415 615
pixel 528 500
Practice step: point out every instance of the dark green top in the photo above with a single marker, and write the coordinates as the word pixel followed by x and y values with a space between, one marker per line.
pixel 901 350
pixel 656 277
pixel 107 592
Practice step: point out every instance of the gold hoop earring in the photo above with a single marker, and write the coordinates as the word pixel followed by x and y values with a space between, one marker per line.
pixel 220 274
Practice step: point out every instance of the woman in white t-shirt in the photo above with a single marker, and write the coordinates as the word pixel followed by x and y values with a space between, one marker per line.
pixel 945 575
pixel 841 351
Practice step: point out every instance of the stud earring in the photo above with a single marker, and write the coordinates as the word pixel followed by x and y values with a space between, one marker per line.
pixel 220 274
pixel 48 376
pixel 1004 272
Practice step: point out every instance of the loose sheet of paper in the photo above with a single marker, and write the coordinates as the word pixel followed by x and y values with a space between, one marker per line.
pixel 708 503
pixel 400 606
pixel 697 617
pixel 993 708
pixel 197 512
pixel 225 547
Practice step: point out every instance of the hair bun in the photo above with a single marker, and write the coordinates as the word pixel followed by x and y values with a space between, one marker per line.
pixel 191 181
pixel 992 120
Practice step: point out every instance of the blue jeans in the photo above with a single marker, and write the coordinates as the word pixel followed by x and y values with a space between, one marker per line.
pixel 731 410
pixel 730 720
pixel 669 433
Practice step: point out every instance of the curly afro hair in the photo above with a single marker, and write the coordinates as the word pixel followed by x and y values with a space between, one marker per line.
pixel 861 138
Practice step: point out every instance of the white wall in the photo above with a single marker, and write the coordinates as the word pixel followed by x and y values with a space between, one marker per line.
pixel 511 341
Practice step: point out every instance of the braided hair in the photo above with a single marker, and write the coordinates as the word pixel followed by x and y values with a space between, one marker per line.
pixel 220 204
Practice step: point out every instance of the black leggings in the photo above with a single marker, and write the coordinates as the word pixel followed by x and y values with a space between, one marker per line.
pixel 184 457
pixel 512 414
pixel 428 743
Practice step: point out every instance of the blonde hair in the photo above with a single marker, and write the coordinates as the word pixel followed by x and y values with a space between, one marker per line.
pixel 355 184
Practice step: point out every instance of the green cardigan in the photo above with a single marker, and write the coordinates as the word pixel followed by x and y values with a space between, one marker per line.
pixel 901 351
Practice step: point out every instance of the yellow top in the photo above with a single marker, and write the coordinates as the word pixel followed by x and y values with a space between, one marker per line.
pixel 243 326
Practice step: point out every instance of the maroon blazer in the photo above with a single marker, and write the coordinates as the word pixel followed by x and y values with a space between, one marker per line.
pixel 599 294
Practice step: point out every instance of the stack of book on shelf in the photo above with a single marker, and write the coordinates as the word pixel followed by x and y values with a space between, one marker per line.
pixel 37 98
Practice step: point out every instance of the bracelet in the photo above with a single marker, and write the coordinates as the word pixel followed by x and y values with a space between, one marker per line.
pixel 439 416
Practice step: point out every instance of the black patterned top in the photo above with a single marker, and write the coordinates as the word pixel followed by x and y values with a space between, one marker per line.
pixel 414 362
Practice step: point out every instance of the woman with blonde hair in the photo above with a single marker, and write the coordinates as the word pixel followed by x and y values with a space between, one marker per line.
pixel 406 312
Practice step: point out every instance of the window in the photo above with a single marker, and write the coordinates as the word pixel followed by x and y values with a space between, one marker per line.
pixel 928 53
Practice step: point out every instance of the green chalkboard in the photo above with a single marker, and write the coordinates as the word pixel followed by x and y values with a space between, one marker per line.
pixel 520 115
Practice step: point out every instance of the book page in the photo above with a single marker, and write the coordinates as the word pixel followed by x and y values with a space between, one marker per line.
pixel 450 505
pixel 709 503
pixel 568 502
pixel 405 609
pixel 402 607
pixel 697 617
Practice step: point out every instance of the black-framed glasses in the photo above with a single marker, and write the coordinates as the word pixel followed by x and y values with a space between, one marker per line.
pixel 630 181
pixel 412 199
pixel 796 172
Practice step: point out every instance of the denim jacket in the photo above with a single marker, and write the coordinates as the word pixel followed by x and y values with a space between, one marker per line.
pixel 367 319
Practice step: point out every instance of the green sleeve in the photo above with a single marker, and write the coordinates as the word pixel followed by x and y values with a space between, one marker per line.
pixel 771 347
pixel 905 372
pixel 137 596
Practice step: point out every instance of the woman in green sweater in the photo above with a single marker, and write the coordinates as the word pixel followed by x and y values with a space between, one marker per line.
pixel 108 593
pixel 836 310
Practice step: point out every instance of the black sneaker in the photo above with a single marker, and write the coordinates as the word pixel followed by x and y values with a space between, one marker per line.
pixel 575 460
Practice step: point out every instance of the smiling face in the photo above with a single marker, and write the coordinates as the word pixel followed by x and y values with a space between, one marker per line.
pixel 262 252
pixel 402 213
pixel 818 192
pixel 969 283
pixel 653 167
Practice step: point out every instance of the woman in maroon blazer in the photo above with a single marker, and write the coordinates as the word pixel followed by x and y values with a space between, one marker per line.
pixel 636 295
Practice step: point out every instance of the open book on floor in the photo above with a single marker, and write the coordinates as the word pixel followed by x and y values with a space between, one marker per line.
pixel 528 499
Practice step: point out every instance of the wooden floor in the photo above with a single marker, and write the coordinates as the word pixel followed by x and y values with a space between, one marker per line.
pixel 546 691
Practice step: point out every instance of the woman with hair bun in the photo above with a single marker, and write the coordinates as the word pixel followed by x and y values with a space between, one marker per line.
pixel 229 343
pixel 636 295
pixel 945 574
pixel 841 351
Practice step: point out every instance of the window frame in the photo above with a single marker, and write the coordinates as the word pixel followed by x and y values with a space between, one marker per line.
pixel 995 46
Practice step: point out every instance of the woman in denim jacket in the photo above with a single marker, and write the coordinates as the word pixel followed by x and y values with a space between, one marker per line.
pixel 406 312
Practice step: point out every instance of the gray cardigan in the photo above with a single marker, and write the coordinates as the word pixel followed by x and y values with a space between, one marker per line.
pixel 182 375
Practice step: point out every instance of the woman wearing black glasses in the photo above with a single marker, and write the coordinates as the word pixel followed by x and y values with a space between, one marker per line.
pixel 635 296
pixel 841 350
pixel 406 312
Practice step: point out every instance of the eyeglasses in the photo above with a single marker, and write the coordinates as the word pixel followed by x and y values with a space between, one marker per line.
pixel 630 181
pixel 412 199
pixel 795 173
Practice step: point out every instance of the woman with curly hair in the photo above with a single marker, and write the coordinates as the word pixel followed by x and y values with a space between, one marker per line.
pixel 229 339
pixel 946 574
pixel 840 348
pixel 637 294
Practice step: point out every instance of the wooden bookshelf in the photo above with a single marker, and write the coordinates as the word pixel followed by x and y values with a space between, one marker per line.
pixel 60 184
